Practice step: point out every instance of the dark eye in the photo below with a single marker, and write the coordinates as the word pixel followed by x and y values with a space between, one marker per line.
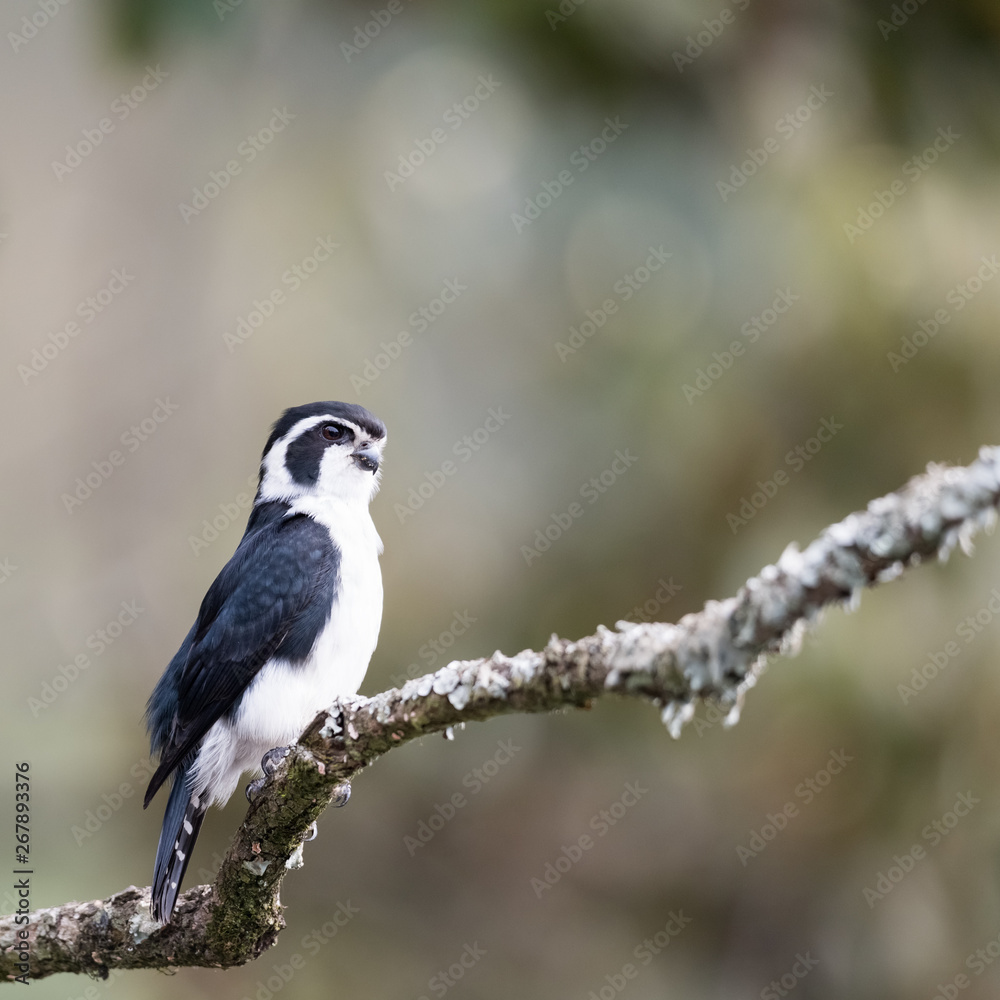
pixel 333 432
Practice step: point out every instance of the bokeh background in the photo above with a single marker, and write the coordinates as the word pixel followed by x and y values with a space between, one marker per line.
pixel 511 169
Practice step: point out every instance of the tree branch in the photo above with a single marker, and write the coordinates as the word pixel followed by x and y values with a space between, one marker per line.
pixel 715 654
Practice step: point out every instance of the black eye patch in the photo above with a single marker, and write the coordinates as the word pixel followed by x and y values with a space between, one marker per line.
pixel 305 453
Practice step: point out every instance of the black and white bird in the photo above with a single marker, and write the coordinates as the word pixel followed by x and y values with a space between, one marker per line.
pixel 288 625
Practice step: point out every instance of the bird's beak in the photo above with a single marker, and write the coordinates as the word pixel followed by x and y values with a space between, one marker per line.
pixel 367 457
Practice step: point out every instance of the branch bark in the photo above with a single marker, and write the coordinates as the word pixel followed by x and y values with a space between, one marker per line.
pixel 715 654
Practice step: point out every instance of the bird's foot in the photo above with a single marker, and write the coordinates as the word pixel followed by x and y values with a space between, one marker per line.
pixel 270 761
pixel 341 794
pixel 254 787
pixel 268 764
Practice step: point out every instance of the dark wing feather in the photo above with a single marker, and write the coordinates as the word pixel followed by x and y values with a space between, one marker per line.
pixel 272 598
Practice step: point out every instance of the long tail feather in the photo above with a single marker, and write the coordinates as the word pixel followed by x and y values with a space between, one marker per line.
pixel 181 823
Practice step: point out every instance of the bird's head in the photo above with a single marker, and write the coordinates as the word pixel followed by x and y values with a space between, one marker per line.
pixel 323 450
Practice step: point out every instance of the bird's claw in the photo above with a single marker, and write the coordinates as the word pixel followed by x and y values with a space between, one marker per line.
pixel 268 764
pixel 254 787
pixel 270 761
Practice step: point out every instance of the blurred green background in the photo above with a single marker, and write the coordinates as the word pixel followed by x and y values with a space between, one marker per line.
pixel 592 204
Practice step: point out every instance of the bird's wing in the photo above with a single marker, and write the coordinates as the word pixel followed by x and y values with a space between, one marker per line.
pixel 274 595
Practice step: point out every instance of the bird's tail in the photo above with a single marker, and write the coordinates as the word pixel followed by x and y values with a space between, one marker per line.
pixel 181 823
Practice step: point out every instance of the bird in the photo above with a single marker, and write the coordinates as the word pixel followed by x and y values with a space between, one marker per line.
pixel 287 627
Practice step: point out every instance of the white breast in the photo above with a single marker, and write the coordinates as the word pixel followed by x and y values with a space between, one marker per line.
pixel 284 698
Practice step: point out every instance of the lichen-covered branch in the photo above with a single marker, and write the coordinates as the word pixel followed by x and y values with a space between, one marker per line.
pixel 714 654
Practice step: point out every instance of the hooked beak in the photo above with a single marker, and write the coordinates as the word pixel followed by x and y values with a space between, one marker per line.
pixel 367 458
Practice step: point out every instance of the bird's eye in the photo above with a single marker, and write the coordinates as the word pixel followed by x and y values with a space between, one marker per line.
pixel 333 432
